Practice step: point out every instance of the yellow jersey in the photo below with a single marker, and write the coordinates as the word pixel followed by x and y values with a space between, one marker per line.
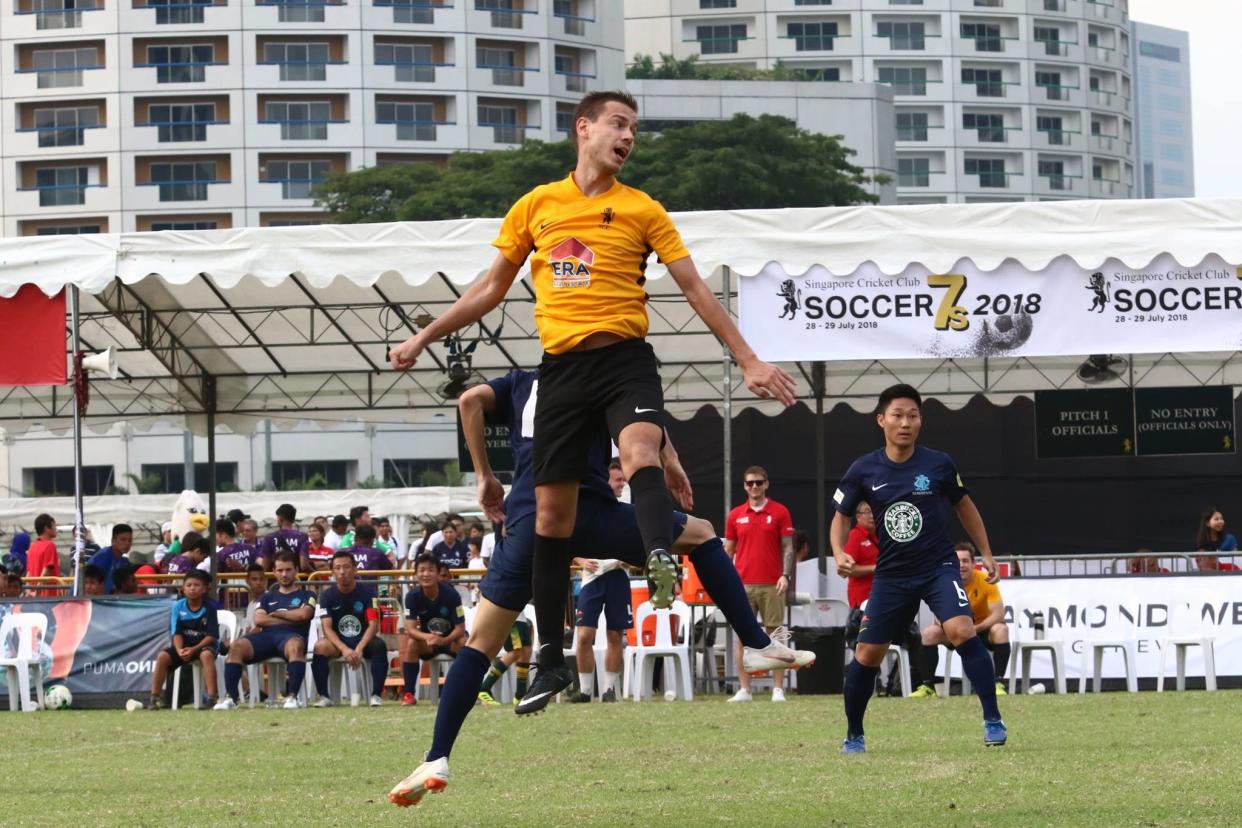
pixel 980 593
pixel 588 258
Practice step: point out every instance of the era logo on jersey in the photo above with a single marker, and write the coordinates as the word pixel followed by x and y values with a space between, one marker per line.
pixel 571 261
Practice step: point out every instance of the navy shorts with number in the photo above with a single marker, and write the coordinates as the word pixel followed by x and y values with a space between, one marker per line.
pixel 605 528
pixel 609 594
pixel 894 601
pixel 270 643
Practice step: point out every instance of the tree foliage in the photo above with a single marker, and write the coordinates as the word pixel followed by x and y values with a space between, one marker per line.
pixel 746 162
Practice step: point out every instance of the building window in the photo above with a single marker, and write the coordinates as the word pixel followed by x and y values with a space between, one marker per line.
pixel 506 14
pixel 184 180
pixel 157 226
pixel 902 34
pixel 1051 83
pixel 413 62
pixel 60 14
pixel 57 68
pixel 181 64
pixel 1051 38
pixel 905 80
pixel 177 11
pixel 1159 51
pixel 297 179
pixel 905 2
pixel 990 127
pixel 813 37
pixel 987 82
pixel 504 123
pixel 411 473
pixel 567 11
pixel 298 11
pixel 299 120
pixel 503 63
pixel 58 481
pixel 717 4
pixel 68 230
pixel 61 186
pixel 65 127
pixel 414 121
pixel 564 118
pixel 812 2
pixel 298 61
pixel 1054 5
pixel 421 12
pixel 310 474
pixel 169 478
pixel 911 126
pixel 1054 171
pixel 913 172
pixel 991 171
pixel 720 40
pixel 181 122
pixel 1051 126
pixel 987 36
pixel 991 4
pixel 823 73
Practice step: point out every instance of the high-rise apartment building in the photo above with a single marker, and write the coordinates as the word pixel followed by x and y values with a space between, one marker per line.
pixel 996 100
pixel 120 115
pixel 1166 153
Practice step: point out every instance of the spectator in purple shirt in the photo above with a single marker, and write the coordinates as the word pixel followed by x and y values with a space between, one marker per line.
pixel 233 555
pixel 193 553
pixel 366 556
pixel 285 536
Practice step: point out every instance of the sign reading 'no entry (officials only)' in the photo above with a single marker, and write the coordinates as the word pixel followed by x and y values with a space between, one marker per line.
pixel 1192 420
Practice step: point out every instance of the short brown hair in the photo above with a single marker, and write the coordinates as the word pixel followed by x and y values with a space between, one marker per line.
pixel 759 470
pixel 965 546
pixel 592 104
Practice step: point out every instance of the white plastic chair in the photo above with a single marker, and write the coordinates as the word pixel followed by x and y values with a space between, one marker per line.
pixel 29 629
pixel 1020 660
pixel 1093 651
pixel 227 621
pixel 1186 630
pixel 664 647
pixel 903 664
pixel 946 658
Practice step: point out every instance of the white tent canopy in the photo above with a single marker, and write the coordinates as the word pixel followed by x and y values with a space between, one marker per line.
pixel 295 322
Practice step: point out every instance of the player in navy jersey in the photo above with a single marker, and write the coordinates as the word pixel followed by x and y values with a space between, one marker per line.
pixel 233 555
pixel 910 490
pixel 281 627
pixel 350 626
pixel 603 525
pixel 195 633
pixel 285 536
pixel 434 622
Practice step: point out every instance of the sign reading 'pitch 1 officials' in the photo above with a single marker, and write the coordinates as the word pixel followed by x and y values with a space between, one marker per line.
pixel 1078 423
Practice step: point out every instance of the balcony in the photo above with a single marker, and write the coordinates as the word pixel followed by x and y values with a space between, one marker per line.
pixel 573 22
pixel 417 61
pixel 321 14
pixel 379 14
pixel 1109 144
pixel 1060 184
pixel 62 126
pixel 1108 188
pixel 179 13
pixel 503 15
pixel 57 187
pixel 1058 139
pixel 71 18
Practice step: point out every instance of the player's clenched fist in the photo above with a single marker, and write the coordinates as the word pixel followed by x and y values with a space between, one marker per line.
pixel 402 357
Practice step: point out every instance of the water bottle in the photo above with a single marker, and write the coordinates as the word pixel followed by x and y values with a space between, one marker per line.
pixel 1037 624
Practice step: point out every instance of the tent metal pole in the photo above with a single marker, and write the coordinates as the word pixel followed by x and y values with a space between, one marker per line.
pixel 79 527
pixel 727 358
pixel 209 393
pixel 821 493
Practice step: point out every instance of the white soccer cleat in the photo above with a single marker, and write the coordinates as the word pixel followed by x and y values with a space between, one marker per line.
pixel 292 703
pixel 322 701
pixel 778 655
pixel 376 701
pixel 226 703
pixel 429 777
pixel 740 696
pixel 778 695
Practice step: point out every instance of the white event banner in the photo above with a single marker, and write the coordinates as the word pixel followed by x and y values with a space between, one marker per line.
pixel 1146 609
pixel 1062 310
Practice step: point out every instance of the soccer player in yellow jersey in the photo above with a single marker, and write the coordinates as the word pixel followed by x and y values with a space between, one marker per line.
pixel 588 238
pixel 989 615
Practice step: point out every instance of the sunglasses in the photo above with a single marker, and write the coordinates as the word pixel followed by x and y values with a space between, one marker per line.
pixel 750 483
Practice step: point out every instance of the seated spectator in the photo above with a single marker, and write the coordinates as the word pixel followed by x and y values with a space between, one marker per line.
pixel 124 580
pixel 43 560
pixel 318 553
pixel 989 616
pixel 445 572
pixel 256 585
pixel 11 586
pixel 1213 538
pixel 366 556
pixel 360 516
pixel 93 579
pixel 452 550
pixel 802 546
pixel 1146 564
pixel 110 557
pixel 249 530
pixel 340 526
pixel 281 628
pixel 193 553
pixel 195 634
pixel 475 560
pixel 350 628
pixel 430 542
pixel 285 536
pixel 20 548
pixel 142 576
pixel 434 623
pixel 384 536
pixel 165 542
pixel 232 554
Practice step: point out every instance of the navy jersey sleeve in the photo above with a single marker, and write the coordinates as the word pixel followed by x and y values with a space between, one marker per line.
pixel 849 490
pixel 954 488
pixel 268 602
pixel 452 598
pixel 211 619
pixel 309 599
pixel 411 603
pixel 503 388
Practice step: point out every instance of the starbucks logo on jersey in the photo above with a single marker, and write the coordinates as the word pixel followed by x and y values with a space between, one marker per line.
pixel 903 522
pixel 350 627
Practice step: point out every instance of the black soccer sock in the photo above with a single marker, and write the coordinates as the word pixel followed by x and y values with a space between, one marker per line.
pixel 457 697
pixel 320 668
pixel 550 594
pixel 859 685
pixel 653 507
pixel 297 675
pixel 1000 659
pixel 978 668
pixel 410 671
pixel 379 670
pixel 929 661
pixel 720 579
pixel 232 681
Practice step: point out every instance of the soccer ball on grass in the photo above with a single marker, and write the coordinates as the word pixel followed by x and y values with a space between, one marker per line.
pixel 58 697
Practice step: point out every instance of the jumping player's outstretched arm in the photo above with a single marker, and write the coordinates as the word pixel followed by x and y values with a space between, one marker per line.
pixel 972 522
pixel 473 405
pixel 480 298
pixel 761 378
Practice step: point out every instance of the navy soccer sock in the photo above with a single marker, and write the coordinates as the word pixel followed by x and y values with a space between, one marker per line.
pixel 297 675
pixel 977 664
pixel 1000 660
pixel 461 689
pixel 232 681
pixel 720 579
pixel 929 662
pixel 319 672
pixel 379 671
pixel 859 685
pixel 410 671
pixel 653 507
pixel 550 591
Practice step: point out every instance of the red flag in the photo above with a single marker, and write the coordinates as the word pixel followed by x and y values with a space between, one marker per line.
pixel 32 338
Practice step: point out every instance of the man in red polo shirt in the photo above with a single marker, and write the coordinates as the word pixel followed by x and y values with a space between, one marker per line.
pixel 759 535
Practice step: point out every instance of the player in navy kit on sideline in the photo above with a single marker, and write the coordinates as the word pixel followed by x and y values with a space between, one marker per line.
pixel 351 621
pixel 910 489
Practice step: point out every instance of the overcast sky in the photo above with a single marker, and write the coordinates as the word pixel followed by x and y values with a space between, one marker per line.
pixel 1216 89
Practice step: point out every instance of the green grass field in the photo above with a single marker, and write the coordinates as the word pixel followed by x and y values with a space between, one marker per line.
pixel 1114 759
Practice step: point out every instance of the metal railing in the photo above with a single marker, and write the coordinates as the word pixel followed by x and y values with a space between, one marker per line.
pixel 1121 564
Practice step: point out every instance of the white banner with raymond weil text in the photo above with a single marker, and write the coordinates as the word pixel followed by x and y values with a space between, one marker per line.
pixel 1061 310
pixel 1147 609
